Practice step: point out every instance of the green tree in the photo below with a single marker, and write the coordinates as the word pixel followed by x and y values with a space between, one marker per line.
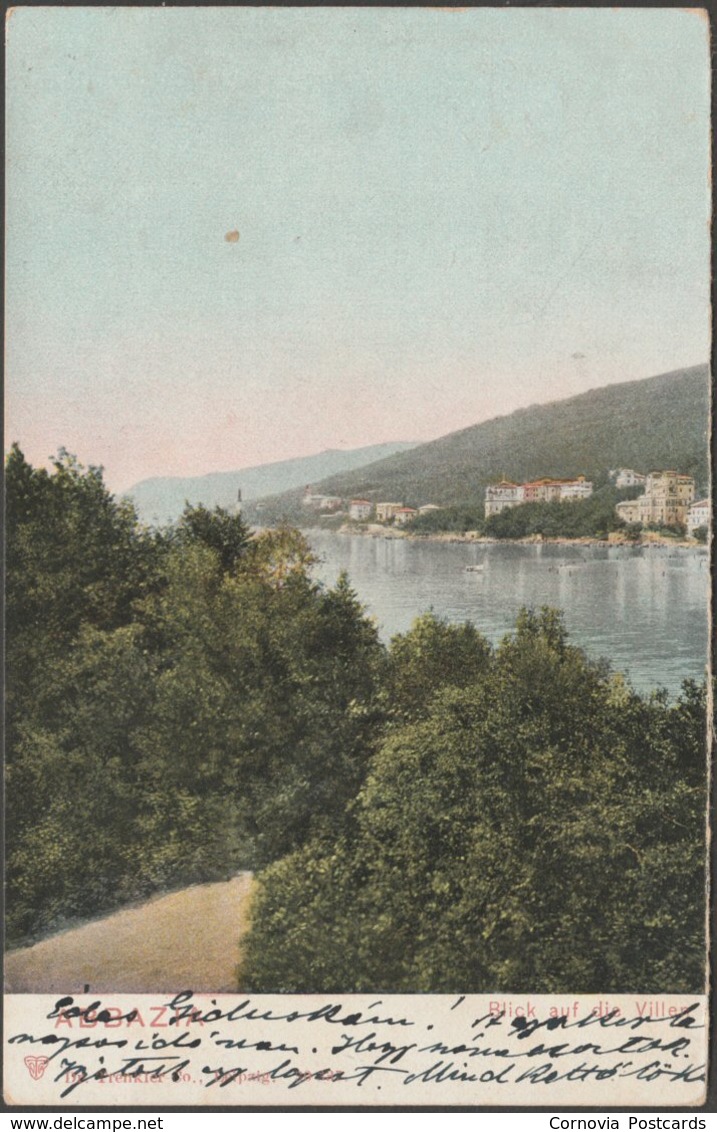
pixel 217 529
pixel 455 519
pixel 593 517
pixel 75 556
pixel 72 784
pixel 180 703
pixel 431 655
pixel 269 702
pixel 539 829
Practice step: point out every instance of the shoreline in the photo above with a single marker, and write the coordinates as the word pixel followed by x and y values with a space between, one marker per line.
pixel 376 531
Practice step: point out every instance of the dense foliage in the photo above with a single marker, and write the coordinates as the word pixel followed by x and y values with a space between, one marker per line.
pixel 454 520
pixel 435 815
pixel 179 704
pixel 536 826
pixel 593 517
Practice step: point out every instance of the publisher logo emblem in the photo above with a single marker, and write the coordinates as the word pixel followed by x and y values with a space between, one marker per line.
pixel 37 1066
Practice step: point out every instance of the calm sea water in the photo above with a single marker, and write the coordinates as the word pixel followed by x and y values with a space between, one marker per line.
pixel 644 608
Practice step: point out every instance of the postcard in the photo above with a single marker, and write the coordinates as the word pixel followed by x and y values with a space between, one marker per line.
pixel 358 556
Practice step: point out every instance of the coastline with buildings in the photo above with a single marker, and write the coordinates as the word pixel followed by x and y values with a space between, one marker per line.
pixel 615 538
pixel 665 512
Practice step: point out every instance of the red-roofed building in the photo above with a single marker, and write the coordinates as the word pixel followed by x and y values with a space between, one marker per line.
pixel 498 496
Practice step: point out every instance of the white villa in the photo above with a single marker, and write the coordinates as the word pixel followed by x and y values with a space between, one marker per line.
pixel 699 515
pixel 501 495
pixel 627 477
pixel 360 509
pixel 321 502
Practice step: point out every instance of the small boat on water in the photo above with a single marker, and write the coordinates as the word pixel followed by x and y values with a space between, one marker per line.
pixel 473 569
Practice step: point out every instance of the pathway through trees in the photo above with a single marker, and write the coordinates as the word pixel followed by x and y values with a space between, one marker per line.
pixel 185 940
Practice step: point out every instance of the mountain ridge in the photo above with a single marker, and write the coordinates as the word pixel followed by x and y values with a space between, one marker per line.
pixel 646 423
pixel 161 499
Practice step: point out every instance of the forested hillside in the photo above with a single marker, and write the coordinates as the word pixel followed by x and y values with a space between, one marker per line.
pixel 658 422
pixel 434 815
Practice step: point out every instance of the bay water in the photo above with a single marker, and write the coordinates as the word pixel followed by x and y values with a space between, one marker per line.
pixel 644 608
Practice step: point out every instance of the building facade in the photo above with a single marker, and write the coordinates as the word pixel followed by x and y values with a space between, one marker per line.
pixel 386 511
pixel 699 515
pixel 498 496
pixel 404 515
pixel 665 501
pixel 627 477
pixel 360 509
pixel 576 489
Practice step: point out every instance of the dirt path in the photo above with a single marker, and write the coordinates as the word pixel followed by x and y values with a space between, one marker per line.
pixel 186 940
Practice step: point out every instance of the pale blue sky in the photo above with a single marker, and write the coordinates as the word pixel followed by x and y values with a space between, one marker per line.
pixel 443 215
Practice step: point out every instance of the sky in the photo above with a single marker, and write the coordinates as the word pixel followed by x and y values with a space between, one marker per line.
pixel 241 235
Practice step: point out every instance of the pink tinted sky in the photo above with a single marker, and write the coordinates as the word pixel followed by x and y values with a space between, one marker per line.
pixel 442 217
